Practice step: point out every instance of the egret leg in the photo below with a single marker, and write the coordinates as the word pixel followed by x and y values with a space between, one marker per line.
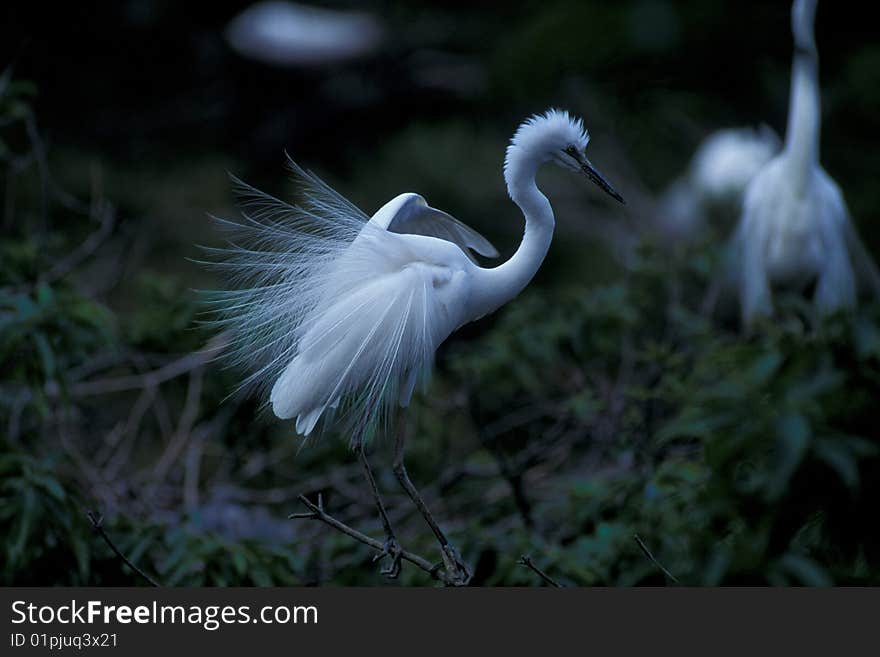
pixel 392 547
pixel 454 567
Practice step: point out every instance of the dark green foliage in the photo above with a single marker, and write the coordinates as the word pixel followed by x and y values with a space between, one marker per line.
pixel 163 316
pixel 602 413
pixel 47 332
pixel 601 405
pixel 48 539
pixel 183 554
pixel 44 535
pixel 739 460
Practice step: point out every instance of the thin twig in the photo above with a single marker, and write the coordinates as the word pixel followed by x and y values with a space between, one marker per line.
pixel 316 512
pixel 69 444
pixel 124 447
pixel 652 559
pixel 526 560
pixel 185 364
pixel 97 521
pixel 78 255
pixel 192 468
pixel 188 417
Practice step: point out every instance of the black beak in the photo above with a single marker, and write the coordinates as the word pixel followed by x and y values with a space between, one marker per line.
pixel 593 174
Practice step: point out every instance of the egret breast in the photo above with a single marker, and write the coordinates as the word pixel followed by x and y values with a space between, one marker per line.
pixel 793 250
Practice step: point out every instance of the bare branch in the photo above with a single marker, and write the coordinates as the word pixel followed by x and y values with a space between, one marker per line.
pixel 67 264
pixel 188 417
pixel 125 446
pixel 167 372
pixel 97 521
pixel 651 558
pixel 192 469
pixel 526 560
pixel 316 512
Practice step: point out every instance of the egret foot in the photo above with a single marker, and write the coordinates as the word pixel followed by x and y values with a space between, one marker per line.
pixel 455 568
pixel 393 550
pixel 457 573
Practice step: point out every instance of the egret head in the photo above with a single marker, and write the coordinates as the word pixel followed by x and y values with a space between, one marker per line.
pixel 554 136
pixel 727 160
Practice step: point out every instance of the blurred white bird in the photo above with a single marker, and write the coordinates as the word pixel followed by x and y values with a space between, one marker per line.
pixel 711 191
pixel 292 34
pixel 795 229
pixel 340 312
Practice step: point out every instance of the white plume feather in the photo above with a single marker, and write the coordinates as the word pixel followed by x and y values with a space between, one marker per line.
pixel 275 261
pixel 327 309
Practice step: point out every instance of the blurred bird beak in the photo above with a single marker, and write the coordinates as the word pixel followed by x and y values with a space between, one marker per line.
pixel 593 174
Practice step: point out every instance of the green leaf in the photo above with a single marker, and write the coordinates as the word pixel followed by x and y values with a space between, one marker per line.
pixel 45 296
pixel 717 567
pixel 765 367
pixel 805 570
pixel 27 518
pixel 792 440
pixel 840 459
pixel 181 570
pixel 140 548
pixel 47 358
pixel 858 445
pixel 50 484
pixel 24 307
pixel 691 424
pixel 83 556
pixel 260 577
pixel 239 561
pixel 866 337
pixel 824 382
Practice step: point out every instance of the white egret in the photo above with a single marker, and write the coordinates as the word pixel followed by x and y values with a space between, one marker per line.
pixel 339 312
pixel 292 34
pixel 795 229
pixel 710 192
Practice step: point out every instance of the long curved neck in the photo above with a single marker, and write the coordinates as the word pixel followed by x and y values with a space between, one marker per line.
pixel 497 286
pixel 804 109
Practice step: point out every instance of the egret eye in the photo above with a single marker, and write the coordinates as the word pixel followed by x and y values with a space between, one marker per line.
pixel 572 156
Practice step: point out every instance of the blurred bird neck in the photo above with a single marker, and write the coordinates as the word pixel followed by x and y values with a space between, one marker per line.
pixel 503 283
pixel 804 114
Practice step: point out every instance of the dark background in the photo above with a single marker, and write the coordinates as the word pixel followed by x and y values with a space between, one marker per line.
pixel 550 428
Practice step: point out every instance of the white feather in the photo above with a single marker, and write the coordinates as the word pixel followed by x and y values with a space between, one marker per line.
pixel 332 309
pixel 788 239
pixel 795 229
pixel 712 189
pixel 276 260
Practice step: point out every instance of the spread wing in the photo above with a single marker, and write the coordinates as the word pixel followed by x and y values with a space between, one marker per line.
pixel 275 263
pixel 410 213
pixel 330 310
